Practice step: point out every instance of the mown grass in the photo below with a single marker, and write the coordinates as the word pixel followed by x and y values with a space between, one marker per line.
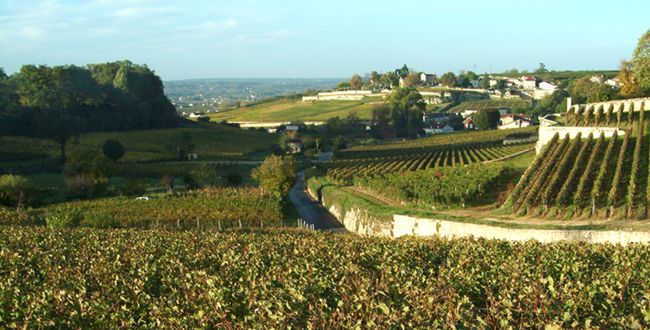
pixel 296 110
pixel 211 142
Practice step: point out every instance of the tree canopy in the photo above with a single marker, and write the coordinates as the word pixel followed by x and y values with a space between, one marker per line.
pixel 641 62
pixel 486 118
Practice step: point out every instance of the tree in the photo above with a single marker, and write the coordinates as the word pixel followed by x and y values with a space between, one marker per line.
pixel 412 80
pixel 501 85
pixel 276 175
pixel 448 79
pixel 182 145
pixel 233 179
pixel 13 190
pixel 343 85
pixel 355 82
pixel 485 82
pixel 59 126
pixel 113 150
pixel 584 90
pixel 404 71
pixel 629 87
pixel 641 62
pixel 389 79
pixel 456 121
pixel 541 69
pixel 486 118
pixel 406 111
pixel 374 78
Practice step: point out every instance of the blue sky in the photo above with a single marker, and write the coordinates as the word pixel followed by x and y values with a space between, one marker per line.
pixel 287 38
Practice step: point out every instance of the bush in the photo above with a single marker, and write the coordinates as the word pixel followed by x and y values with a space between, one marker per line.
pixel 276 175
pixel 80 186
pixel 20 218
pixel 13 189
pixel 233 179
pixel 99 220
pixel 113 150
pixel 63 218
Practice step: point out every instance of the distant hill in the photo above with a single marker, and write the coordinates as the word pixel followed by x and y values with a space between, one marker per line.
pixel 206 93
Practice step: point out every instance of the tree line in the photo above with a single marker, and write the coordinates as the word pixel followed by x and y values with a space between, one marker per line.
pixel 59 102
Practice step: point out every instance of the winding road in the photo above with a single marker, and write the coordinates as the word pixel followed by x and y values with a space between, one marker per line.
pixel 312 211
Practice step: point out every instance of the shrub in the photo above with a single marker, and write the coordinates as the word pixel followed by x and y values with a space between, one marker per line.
pixel 276 175
pixel 233 179
pixel 63 218
pixel 80 185
pixel 113 150
pixel 99 219
pixel 13 189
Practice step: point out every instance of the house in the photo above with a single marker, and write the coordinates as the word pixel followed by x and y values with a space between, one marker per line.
pixel 545 85
pixel 468 112
pixel 401 81
pixel 614 82
pixel 295 146
pixel 514 121
pixel 271 130
pixel 468 123
pixel 528 82
pixel 504 111
pixel 427 78
pixel 439 129
pixel 598 79
pixel 196 114
pixel 291 128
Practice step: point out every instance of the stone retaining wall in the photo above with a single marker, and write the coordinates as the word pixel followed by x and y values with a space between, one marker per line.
pixel 546 133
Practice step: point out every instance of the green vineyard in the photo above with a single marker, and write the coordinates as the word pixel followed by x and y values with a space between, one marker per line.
pixel 589 176
pixel 612 115
pixel 108 279
pixel 348 165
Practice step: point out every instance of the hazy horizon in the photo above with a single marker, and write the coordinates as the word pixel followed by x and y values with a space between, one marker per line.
pixel 202 39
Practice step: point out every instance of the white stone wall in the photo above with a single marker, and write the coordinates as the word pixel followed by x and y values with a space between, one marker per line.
pixel 626 105
pixel 406 225
pixel 358 221
pixel 546 133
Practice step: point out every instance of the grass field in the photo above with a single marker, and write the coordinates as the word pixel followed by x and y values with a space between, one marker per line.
pixel 482 104
pixel 211 142
pixel 288 110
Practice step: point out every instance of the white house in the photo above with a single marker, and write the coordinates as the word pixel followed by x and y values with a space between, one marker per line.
pixel 196 114
pixel 427 78
pixel 514 121
pixel 291 128
pixel 613 82
pixel 545 85
pixel 528 82
pixel 468 112
pixel 439 130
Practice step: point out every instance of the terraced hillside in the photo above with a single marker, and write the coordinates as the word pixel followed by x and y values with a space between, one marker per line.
pixel 438 151
pixel 588 176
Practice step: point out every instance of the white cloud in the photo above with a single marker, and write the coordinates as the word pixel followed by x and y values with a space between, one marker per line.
pixel 139 11
pixel 31 32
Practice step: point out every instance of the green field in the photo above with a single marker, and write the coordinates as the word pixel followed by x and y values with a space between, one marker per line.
pixel 288 110
pixel 483 104
pixel 211 142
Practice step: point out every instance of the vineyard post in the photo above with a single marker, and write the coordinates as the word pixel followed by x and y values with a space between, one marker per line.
pixel 178 223
pixel 198 224
pixel 239 223
pixel 219 224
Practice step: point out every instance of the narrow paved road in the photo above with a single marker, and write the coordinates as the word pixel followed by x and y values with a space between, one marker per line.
pixel 311 211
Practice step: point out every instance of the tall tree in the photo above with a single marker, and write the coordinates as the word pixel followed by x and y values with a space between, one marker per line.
pixel 406 111
pixel 448 79
pixel 629 87
pixel 356 82
pixel 374 78
pixel 404 71
pixel 412 80
pixel 60 126
pixel 641 62
pixel 486 118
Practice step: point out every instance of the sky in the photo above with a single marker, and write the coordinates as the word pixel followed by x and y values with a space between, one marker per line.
pixel 319 39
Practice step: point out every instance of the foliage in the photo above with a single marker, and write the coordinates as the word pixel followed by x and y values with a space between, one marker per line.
pixel 406 111
pixel 233 179
pixel 253 279
pixel 448 79
pixel 98 219
pixel 446 186
pixel 486 118
pixel 113 149
pixel 215 208
pixel 584 90
pixel 14 190
pixel 63 218
pixel 276 175
pixel 641 62
pixel 355 82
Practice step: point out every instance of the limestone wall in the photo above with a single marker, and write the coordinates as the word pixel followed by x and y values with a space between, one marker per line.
pixel 406 225
pixel 626 105
pixel 546 133
pixel 357 220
